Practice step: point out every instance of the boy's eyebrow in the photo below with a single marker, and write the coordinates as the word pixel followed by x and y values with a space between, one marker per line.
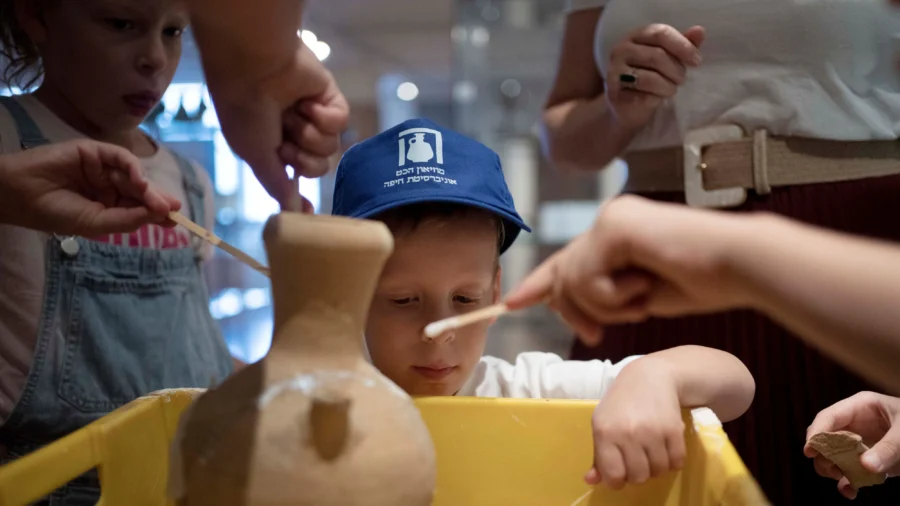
pixel 122 4
pixel 121 7
pixel 133 7
pixel 391 291
pixel 471 289
pixel 410 282
pixel 395 284
pixel 479 285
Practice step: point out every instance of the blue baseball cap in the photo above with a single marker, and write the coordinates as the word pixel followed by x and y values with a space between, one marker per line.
pixel 418 161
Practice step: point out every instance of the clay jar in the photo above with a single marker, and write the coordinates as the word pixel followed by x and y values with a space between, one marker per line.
pixel 313 423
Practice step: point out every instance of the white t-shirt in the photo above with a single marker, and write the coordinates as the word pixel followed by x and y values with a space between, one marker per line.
pixel 537 375
pixel 22 254
pixel 809 68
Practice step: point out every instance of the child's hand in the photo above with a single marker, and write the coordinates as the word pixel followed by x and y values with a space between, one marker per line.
pixel 638 430
pixel 79 187
pixel 876 418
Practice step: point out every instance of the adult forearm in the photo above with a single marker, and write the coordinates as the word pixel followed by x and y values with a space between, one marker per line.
pixel 244 38
pixel 840 293
pixel 583 135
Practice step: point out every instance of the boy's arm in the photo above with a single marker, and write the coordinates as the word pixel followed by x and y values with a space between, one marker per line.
pixel 702 377
pixel 638 425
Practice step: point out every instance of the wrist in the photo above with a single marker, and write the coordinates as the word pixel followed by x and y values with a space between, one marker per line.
pixel 619 133
pixel 622 126
pixel 583 134
pixel 240 72
pixel 672 371
pixel 653 369
pixel 749 237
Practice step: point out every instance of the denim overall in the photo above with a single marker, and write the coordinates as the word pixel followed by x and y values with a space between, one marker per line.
pixel 117 323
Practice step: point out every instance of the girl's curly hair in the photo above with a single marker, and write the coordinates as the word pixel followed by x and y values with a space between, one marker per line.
pixel 23 60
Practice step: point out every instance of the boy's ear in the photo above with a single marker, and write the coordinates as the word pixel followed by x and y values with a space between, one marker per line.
pixel 31 20
pixel 497 276
pixel 496 289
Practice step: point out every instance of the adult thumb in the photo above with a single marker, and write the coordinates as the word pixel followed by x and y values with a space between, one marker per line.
pixel 695 34
pixel 534 289
pixel 884 456
pixel 537 286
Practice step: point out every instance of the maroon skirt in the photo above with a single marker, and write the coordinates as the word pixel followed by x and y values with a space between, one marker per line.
pixel 793 381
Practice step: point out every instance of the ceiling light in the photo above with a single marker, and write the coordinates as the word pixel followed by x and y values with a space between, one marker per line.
pixel 321 50
pixel 407 91
pixel 511 88
pixel 465 92
pixel 308 37
pixel 480 36
pixel 318 47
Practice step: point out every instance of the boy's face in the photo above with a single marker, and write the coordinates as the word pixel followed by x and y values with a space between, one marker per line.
pixel 439 269
pixel 109 60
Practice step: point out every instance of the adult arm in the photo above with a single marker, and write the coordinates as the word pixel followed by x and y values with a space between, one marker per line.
pixel 645 259
pixel 275 101
pixel 589 120
pixel 841 293
pixel 576 113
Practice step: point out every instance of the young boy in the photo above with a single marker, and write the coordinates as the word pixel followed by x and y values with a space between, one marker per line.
pixel 445 199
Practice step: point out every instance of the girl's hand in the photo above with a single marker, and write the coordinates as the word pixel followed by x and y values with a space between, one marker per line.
pixel 80 187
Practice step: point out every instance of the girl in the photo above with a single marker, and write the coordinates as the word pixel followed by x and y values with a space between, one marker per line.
pixel 89 324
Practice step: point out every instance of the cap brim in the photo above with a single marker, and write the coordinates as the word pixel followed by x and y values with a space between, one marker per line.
pixel 508 218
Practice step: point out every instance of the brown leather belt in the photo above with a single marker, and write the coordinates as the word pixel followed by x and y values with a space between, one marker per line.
pixel 716 165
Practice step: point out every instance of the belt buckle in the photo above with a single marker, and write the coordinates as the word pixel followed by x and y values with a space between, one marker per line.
pixel 694 142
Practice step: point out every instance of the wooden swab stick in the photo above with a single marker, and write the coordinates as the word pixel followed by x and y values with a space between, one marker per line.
pixel 433 330
pixel 213 239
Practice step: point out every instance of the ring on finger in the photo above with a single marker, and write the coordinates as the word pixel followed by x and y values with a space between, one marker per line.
pixel 629 81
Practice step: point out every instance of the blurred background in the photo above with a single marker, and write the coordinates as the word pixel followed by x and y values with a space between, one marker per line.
pixel 481 67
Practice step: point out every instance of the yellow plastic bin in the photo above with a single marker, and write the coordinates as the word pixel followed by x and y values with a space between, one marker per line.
pixel 493 452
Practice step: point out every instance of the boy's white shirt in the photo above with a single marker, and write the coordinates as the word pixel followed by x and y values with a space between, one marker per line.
pixel 539 375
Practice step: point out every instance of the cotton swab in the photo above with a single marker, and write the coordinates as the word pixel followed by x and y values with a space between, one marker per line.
pixel 433 330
